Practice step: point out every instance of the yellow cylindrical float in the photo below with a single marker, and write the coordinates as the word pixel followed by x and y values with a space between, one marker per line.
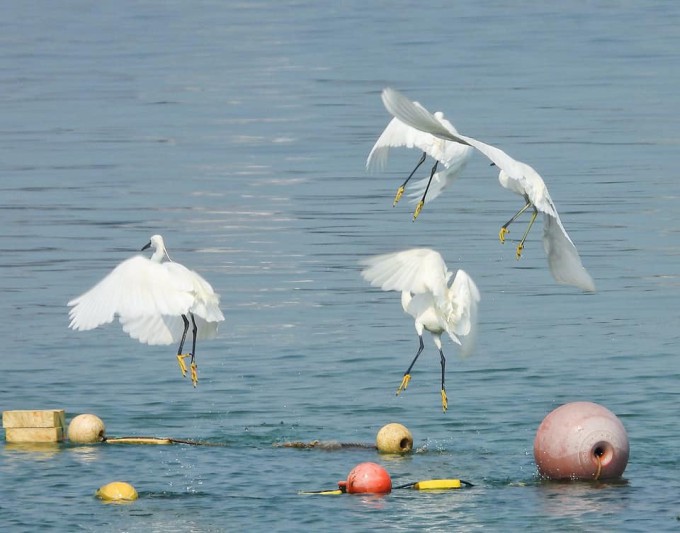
pixel 438 484
pixel 138 440
pixel 394 438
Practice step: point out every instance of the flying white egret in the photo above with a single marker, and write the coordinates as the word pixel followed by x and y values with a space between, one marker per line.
pixel 423 279
pixel 154 301
pixel 563 258
pixel 452 155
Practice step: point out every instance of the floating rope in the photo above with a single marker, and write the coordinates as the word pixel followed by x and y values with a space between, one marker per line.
pixel 332 492
pixel 599 467
pixel 428 484
pixel 436 484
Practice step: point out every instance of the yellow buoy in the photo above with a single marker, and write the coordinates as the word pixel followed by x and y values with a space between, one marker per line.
pixel 394 438
pixel 117 491
pixel 86 429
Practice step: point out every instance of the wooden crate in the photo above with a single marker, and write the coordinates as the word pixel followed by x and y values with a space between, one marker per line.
pixel 34 434
pixel 34 425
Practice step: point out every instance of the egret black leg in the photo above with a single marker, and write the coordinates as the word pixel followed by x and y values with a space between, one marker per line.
pixel 420 205
pixel 194 372
pixel 520 246
pixel 407 374
pixel 194 330
pixel 445 401
pixel 402 187
pixel 180 355
pixel 184 334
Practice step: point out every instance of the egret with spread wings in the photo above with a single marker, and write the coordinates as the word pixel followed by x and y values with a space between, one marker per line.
pixel 563 258
pixel 422 277
pixel 154 301
pixel 452 155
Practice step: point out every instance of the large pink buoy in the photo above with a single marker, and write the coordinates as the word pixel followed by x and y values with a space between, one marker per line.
pixel 581 440
pixel 367 478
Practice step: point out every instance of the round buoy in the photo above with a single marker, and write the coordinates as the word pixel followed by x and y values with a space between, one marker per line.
pixel 581 440
pixel 117 491
pixel 394 438
pixel 86 429
pixel 367 478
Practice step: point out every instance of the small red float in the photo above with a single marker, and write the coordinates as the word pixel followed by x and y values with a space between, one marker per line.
pixel 581 440
pixel 367 478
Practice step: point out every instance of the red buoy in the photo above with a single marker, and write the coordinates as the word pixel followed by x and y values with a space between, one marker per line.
pixel 367 478
pixel 581 440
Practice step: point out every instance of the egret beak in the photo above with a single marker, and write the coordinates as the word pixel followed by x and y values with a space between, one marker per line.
pixel 146 246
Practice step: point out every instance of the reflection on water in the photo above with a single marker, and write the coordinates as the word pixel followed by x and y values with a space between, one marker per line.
pixel 575 499
pixel 19 452
pixel 87 453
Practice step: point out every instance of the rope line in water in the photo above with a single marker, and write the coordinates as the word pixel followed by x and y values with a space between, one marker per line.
pixel 324 445
pixel 428 484
pixel 599 467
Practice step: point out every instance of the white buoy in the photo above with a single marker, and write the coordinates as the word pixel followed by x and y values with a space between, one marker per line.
pixel 394 438
pixel 86 429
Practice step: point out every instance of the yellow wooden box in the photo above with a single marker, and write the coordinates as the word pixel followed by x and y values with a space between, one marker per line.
pixel 34 434
pixel 34 425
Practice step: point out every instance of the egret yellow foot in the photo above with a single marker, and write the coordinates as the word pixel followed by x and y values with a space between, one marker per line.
pixel 404 383
pixel 520 247
pixel 182 365
pixel 445 401
pixel 502 233
pixel 194 374
pixel 419 208
pixel 400 192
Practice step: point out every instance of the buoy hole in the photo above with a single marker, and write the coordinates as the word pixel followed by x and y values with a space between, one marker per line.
pixel 603 453
pixel 404 444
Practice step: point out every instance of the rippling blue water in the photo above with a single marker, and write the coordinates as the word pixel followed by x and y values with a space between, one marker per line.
pixel 240 132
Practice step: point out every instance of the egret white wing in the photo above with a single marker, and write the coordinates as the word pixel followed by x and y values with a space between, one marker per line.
pixel 397 134
pixel 417 270
pixel 136 287
pixel 563 258
pixel 415 115
pixel 153 329
pixel 205 300
pixel 164 329
pixel 464 297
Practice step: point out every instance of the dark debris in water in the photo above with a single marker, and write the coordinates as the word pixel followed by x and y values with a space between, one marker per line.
pixel 324 445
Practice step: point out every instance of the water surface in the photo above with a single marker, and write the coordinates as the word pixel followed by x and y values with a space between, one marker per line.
pixel 240 132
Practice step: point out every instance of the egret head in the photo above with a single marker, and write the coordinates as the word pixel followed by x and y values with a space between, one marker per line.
pixel 158 245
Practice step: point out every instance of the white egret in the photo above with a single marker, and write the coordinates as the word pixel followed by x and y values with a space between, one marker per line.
pixel 154 301
pixel 452 155
pixel 563 258
pixel 422 277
